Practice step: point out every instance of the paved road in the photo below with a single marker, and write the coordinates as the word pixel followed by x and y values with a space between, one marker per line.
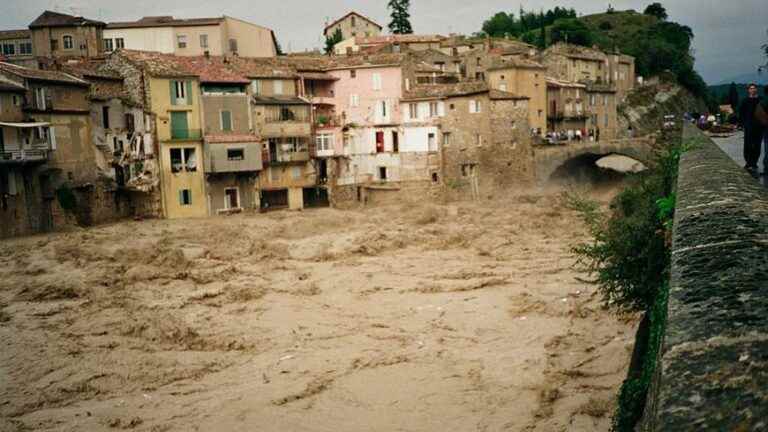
pixel 734 146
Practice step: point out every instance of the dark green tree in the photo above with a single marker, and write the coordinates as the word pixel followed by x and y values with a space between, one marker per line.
pixel 733 96
pixel 500 25
pixel 542 42
pixel 331 41
pixel 400 23
pixel 657 10
pixel 572 31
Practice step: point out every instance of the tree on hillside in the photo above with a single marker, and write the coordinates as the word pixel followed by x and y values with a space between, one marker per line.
pixel 542 42
pixel 733 96
pixel 657 10
pixel 572 31
pixel 500 25
pixel 400 23
pixel 331 41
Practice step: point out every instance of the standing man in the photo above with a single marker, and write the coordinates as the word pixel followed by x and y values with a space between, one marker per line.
pixel 765 134
pixel 753 130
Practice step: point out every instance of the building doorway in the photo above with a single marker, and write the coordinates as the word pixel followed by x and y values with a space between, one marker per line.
pixel 231 198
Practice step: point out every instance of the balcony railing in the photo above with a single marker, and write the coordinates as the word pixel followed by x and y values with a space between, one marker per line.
pixel 26 155
pixel 186 134
pixel 324 121
pixel 288 157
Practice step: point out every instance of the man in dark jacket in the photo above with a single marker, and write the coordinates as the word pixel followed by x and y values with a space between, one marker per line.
pixel 753 130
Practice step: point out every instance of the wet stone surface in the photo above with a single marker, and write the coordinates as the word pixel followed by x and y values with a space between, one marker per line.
pixel 714 367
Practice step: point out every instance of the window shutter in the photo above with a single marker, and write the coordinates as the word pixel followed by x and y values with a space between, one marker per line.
pixel 189 92
pixel 181 197
pixel 173 92
pixel 52 134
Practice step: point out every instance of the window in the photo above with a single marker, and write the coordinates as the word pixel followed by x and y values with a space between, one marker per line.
pixel 435 177
pixel 177 163
pixel 480 76
pixel 592 99
pixel 277 87
pixel 296 173
pixel 25 48
pixel 231 198
pixel 105 117
pixel 119 43
pixel 40 98
pixel 353 73
pixel 354 24
pixel 605 100
pixel 382 173
pixel 179 92
pixel 379 142
pixel 413 111
pixel 446 139
pixel 468 170
pixel 9 49
pixel 108 45
pixel 479 140
pixel 479 61
pixel 203 41
pixel 233 45
pixel 431 142
pixel 324 142
pixel 190 159
pixel 433 112
pixel 68 42
pixel 503 87
pixel 606 120
pixel 474 106
pixel 129 122
pixel 54 44
pixel 395 142
pixel 377 81
pixel 384 109
pixel 274 175
pixel 16 100
pixel 181 41
pixel 235 154
pixel 286 114
pixel 354 100
pixel 185 197
pixel 226 121
pixel 256 87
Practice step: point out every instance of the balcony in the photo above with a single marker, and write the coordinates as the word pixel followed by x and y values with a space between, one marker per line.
pixel 288 157
pixel 23 156
pixel 323 100
pixel 568 115
pixel 186 135
pixel 327 121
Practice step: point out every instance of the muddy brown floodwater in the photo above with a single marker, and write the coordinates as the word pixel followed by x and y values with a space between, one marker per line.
pixel 466 317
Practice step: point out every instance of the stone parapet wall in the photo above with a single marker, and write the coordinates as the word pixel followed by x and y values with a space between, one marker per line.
pixel 713 373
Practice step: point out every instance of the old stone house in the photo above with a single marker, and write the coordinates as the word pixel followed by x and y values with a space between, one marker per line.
pixel 58 35
pixel 567 108
pixel 16 47
pixel 351 25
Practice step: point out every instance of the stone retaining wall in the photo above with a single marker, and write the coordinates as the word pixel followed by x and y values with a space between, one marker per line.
pixel 713 373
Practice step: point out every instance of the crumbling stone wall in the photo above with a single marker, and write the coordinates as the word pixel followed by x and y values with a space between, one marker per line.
pixel 487 151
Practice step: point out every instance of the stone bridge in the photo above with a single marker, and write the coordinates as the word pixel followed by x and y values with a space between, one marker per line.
pixel 713 363
pixel 549 158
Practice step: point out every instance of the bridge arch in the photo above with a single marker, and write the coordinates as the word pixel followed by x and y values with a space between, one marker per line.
pixel 553 159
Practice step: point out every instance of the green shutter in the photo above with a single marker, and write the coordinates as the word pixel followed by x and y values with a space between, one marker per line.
pixel 226 121
pixel 181 196
pixel 189 93
pixel 173 92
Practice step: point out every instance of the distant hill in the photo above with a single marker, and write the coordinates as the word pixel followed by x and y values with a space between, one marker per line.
pixel 618 29
pixel 752 77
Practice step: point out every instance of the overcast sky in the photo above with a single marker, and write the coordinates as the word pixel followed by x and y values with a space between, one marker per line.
pixel 728 34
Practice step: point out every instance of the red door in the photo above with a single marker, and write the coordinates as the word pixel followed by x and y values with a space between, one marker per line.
pixel 379 142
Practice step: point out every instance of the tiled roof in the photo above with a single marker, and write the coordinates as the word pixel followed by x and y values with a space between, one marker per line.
pixel 262 68
pixel 232 138
pixel 87 68
pixel 353 61
pixel 437 91
pixel 41 75
pixel 502 95
pixel 212 69
pixel 521 63
pixel 56 19
pixel 155 63
pixel 165 21
pixel 318 76
pixel 8 85
pixel 398 38
pixel 352 13
pixel 15 34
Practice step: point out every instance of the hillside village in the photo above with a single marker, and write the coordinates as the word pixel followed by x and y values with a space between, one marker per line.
pixel 179 118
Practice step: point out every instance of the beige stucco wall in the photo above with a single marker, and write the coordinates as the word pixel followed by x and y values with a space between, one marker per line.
pixel 160 39
pixel 193 48
pixel 268 87
pixel 237 104
pixel 252 40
